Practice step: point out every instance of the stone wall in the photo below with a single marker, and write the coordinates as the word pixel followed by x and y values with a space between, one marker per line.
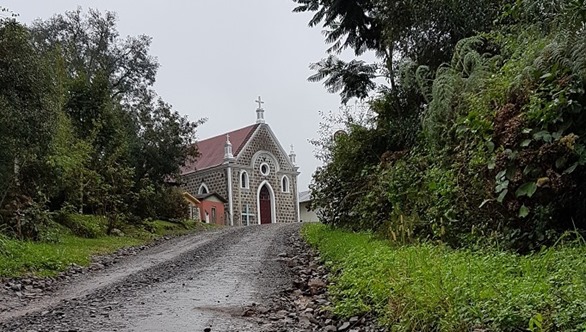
pixel 263 149
pixel 260 149
pixel 214 179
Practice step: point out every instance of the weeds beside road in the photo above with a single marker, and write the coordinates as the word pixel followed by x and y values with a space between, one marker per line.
pixel 68 246
pixel 429 287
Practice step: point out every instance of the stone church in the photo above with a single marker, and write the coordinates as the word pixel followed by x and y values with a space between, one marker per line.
pixel 251 170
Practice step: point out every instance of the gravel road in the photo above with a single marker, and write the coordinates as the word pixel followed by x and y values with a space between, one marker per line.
pixel 200 282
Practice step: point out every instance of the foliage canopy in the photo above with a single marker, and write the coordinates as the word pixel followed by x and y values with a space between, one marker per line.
pixel 82 128
pixel 479 136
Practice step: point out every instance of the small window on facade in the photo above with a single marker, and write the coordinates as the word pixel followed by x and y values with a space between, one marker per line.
pixel 244 180
pixel 203 189
pixel 264 169
pixel 247 216
pixel 285 184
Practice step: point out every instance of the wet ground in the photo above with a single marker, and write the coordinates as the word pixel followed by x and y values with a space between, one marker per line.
pixel 201 282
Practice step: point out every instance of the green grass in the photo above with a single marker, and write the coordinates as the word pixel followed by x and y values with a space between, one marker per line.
pixel 429 287
pixel 161 228
pixel 45 259
pixel 18 258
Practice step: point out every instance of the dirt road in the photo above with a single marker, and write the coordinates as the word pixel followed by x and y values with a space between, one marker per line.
pixel 201 282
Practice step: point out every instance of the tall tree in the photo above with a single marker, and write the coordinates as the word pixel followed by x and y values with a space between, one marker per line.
pixel 92 46
pixel 396 30
pixel 28 111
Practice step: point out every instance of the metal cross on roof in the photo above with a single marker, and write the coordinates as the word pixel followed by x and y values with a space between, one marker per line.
pixel 260 102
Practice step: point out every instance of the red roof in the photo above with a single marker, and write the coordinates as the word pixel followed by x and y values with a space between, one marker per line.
pixel 211 150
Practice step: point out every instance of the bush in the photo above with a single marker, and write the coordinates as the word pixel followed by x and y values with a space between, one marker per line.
pixel 87 226
pixel 165 203
pixel 24 218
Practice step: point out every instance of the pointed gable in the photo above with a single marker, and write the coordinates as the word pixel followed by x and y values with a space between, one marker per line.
pixel 264 140
pixel 211 150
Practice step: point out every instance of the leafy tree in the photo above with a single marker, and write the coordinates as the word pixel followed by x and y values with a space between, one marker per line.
pixel 479 137
pixel 28 116
pixel 92 47
pixel 113 109
pixel 165 139
pixel 423 31
pixel 82 127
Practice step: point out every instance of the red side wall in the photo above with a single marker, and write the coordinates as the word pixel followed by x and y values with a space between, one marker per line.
pixel 206 206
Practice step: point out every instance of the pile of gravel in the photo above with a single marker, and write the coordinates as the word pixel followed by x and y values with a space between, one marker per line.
pixel 305 306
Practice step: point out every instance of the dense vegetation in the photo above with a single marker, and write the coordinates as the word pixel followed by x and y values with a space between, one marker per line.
pixel 425 287
pixel 478 135
pixel 81 128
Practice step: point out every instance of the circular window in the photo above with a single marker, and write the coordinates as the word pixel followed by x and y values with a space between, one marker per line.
pixel 264 169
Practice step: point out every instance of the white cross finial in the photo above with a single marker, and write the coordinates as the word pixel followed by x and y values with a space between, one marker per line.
pixel 260 102
pixel 292 155
pixel 260 116
pixel 228 155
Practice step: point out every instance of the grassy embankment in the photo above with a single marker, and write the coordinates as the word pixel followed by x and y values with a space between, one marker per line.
pixel 426 287
pixel 76 240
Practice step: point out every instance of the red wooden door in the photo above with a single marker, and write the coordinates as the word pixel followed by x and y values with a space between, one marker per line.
pixel 265 205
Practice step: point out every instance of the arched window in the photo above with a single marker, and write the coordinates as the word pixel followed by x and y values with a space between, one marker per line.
pixel 244 180
pixel 203 189
pixel 285 184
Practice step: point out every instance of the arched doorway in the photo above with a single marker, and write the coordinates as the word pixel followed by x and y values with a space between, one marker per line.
pixel 265 205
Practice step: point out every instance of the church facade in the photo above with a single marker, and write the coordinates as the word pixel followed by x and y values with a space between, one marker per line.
pixel 251 170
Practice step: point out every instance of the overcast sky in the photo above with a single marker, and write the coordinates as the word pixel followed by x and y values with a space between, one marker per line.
pixel 218 56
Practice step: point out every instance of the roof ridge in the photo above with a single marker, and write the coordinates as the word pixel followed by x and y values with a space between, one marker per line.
pixel 245 140
pixel 224 134
pixel 211 150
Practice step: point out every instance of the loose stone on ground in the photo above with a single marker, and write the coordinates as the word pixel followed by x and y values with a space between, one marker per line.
pixel 305 305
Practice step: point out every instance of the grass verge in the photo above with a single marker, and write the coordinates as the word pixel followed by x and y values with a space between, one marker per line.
pixel 429 287
pixel 18 258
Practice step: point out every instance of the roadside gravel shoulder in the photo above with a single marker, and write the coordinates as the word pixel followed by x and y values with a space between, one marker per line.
pixel 22 296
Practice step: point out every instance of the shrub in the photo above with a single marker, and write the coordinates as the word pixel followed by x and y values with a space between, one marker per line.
pixel 24 218
pixel 87 226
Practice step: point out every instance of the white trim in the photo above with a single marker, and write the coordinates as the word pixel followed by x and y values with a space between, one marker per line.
pixel 260 167
pixel 247 143
pixel 297 201
pixel 280 147
pixel 286 189
pixel 203 185
pixel 230 205
pixel 273 157
pixel 275 141
pixel 273 207
pixel 204 170
pixel 246 184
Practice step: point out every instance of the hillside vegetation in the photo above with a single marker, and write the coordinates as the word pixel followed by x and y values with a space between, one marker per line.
pixel 454 194
pixel 81 129
pixel 478 137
